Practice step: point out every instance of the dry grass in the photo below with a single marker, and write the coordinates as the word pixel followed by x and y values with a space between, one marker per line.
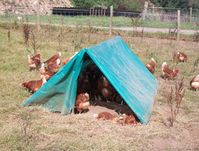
pixel 35 129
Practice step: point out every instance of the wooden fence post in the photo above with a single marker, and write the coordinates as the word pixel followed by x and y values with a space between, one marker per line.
pixel 49 25
pixel 62 20
pixel 38 17
pixel 178 25
pixel 95 11
pixel 145 10
pixel 38 22
pixel 190 15
pixel 153 9
pixel 90 12
pixel 111 21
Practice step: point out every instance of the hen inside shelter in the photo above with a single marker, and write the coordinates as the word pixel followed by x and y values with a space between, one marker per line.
pixel 103 98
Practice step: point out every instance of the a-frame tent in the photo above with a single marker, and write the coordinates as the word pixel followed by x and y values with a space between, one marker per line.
pixel 127 74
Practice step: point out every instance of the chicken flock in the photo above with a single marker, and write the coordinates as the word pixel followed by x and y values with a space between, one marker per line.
pixel 46 69
pixel 170 74
pixel 93 85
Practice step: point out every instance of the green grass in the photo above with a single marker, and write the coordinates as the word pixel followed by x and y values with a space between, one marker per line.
pixel 99 21
pixel 52 131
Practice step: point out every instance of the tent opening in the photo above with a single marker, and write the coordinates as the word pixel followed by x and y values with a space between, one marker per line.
pixel 102 95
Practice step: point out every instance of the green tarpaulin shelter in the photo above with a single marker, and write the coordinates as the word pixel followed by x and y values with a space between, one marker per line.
pixel 127 74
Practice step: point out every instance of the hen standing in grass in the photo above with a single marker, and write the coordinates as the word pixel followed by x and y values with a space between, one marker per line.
pixel 54 62
pixel 151 65
pixel 180 57
pixel 34 85
pixel 194 83
pixel 52 66
pixel 168 73
pixel 34 61
pixel 45 72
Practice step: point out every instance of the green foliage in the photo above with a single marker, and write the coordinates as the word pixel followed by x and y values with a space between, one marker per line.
pixel 127 4
pixel 106 3
pixel 184 4
pixel 195 4
pixel 118 4
pixel 83 3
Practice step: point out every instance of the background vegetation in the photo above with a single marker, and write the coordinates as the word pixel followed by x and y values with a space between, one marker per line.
pixel 118 4
pixel 136 4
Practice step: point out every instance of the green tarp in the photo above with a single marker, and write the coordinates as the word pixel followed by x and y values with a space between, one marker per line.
pixel 127 74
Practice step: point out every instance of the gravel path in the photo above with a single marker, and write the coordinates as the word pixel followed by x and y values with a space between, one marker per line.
pixel 151 30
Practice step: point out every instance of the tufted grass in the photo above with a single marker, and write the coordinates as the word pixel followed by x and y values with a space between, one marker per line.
pixel 101 21
pixel 33 128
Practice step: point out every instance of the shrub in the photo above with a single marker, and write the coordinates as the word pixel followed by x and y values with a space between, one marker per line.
pixel 174 100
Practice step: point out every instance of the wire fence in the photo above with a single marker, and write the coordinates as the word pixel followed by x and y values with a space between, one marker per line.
pixel 170 15
pixel 153 17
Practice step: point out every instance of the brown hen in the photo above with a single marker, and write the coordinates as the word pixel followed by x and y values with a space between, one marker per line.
pixel 151 65
pixel 168 73
pixel 180 57
pixel 82 102
pixel 34 61
pixel 34 85
pixel 194 83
